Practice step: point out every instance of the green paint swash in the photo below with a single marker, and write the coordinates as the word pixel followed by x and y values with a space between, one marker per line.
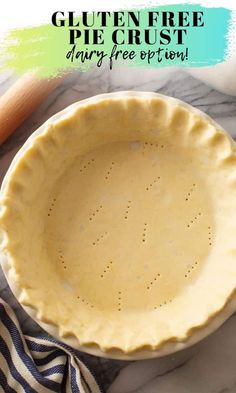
pixel 46 48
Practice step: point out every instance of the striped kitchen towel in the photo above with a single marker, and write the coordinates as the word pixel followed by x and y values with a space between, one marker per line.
pixel 38 365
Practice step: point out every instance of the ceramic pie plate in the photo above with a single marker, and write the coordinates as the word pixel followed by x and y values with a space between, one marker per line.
pixel 118 225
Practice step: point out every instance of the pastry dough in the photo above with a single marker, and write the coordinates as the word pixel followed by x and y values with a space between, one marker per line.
pixel 118 222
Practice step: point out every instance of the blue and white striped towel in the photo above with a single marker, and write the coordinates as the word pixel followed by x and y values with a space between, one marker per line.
pixel 38 365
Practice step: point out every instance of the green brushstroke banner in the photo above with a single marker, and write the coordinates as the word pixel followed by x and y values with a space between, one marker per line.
pixel 152 37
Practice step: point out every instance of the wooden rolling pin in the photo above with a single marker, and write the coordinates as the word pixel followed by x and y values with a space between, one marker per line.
pixel 26 94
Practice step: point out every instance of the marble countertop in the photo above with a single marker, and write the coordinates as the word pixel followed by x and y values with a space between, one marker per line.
pixel 209 366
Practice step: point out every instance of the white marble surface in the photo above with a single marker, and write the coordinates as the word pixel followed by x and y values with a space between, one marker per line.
pixel 208 367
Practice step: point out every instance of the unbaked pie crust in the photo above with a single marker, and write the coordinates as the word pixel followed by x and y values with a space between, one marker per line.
pixel 118 222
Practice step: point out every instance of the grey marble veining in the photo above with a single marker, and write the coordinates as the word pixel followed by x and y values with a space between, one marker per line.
pixel 208 367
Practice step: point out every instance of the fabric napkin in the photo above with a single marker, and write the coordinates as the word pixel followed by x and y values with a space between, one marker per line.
pixel 38 364
pixel 221 76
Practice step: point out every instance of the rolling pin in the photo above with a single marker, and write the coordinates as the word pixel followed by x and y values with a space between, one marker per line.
pixel 26 94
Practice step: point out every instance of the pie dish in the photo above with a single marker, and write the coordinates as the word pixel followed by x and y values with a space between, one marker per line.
pixel 117 224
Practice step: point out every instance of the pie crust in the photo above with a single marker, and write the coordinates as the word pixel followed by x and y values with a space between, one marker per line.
pixel 118 222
